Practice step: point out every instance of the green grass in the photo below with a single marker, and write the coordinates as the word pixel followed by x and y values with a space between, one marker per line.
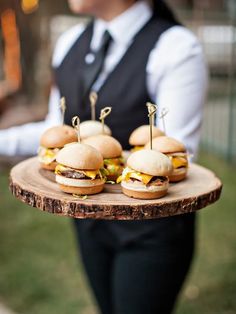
pixel 40 272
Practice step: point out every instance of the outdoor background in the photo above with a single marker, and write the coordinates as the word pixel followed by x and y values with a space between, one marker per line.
pixel 40 272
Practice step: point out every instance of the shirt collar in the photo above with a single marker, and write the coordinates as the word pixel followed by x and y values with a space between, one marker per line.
pixel 125 26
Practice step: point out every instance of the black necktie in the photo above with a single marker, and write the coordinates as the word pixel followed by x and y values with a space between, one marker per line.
pixel 94 67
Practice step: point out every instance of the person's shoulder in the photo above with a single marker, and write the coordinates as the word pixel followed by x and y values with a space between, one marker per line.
pixel 175 46
pixel 179 39
pixel 65 42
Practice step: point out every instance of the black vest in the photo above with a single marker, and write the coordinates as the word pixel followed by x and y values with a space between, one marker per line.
pixel 125 88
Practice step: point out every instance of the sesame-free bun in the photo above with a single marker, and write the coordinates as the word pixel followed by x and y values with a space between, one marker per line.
pixel 144 195
pixel 108 146
pixel 90 128
pixel 80 156
pixel 50 166
pixel 178 174
pixel 141 135
pixel 58 136
pixel 166 144
pixel 150 162
pixel 81 187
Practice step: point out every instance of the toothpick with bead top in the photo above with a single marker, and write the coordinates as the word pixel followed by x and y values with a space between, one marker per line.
pixel 151 113
pixel 63 108
pixel 103 114
pixel 76 126
pixel 93 96
pixel 164 112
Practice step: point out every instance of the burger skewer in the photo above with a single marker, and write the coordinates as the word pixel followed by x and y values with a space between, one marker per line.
pixel 63 109
pixel 103 114
pixel 93 97
pixel 164 112
pixel 76 126
pixel 151 112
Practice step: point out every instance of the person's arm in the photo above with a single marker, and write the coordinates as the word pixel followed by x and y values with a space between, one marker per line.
pixel 177 80
pixel 24 139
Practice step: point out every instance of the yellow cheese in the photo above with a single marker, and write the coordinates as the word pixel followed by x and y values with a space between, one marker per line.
pixel 91 173
pixel 179 162
pixel 130 173
pixel 47 155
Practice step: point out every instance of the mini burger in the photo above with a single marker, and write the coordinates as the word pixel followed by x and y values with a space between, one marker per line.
pixel 52 140
pixel 78 169
pixel 91 127
pixel 141 136
pixel 176 152
pixel 146 175
pixel 111 151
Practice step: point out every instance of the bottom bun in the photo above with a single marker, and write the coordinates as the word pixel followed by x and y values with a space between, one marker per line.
pixel 50 166
pixel 178 174
pixel 82 190
pixel 144 195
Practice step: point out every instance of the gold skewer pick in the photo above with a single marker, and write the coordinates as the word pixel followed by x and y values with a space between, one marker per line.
pixel 76 126
pixel 151 112
pixel 164 112
pixel 63 108
pixel 93 96
pixel 103 114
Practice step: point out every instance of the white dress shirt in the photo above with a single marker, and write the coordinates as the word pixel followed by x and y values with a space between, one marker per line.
pixel 176 79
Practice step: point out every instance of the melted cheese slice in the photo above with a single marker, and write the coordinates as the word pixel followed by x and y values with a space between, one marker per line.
pixel 89 173
pixel 179 161
pixel 47 155
pixel 130 173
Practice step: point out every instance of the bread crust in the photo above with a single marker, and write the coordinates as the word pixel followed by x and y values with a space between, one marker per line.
pixel 178 174
pixel 58 136
pixel 141 135
pixel 82 190
pixel 166 144
pixel 80 156
pixel 90 128
pixel 107 145
pixel 143 195
pixel 150 162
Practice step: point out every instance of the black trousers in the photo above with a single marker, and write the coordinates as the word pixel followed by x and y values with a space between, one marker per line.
pixel 136 267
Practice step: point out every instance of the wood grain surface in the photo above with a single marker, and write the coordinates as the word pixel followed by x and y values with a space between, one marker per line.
pixel 37 188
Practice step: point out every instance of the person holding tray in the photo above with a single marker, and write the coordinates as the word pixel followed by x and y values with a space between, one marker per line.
pixel 131 52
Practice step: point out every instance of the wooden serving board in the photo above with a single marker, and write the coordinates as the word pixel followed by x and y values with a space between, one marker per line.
pixel 37 188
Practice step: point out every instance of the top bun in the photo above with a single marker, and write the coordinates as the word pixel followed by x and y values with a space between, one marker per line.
pixel 150 162
pixel 90 128
pixel 166 144
pixel 141 135
pixel 58 136
pixel 80 156
pixel 108 146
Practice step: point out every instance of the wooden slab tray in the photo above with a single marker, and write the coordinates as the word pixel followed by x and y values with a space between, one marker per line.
pixel 36 187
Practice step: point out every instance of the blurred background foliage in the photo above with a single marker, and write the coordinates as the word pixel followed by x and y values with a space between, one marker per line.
pixel 39 269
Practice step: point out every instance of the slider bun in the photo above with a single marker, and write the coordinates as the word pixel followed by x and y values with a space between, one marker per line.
pixel 108 146
pixel 150 162
pixel 178 174
pixel 80 186
pixel 50 166
pixel 166 144
pixel 144 192
pixel 58 136
pixel 80 156
pixel 141 135
pixel 90 128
